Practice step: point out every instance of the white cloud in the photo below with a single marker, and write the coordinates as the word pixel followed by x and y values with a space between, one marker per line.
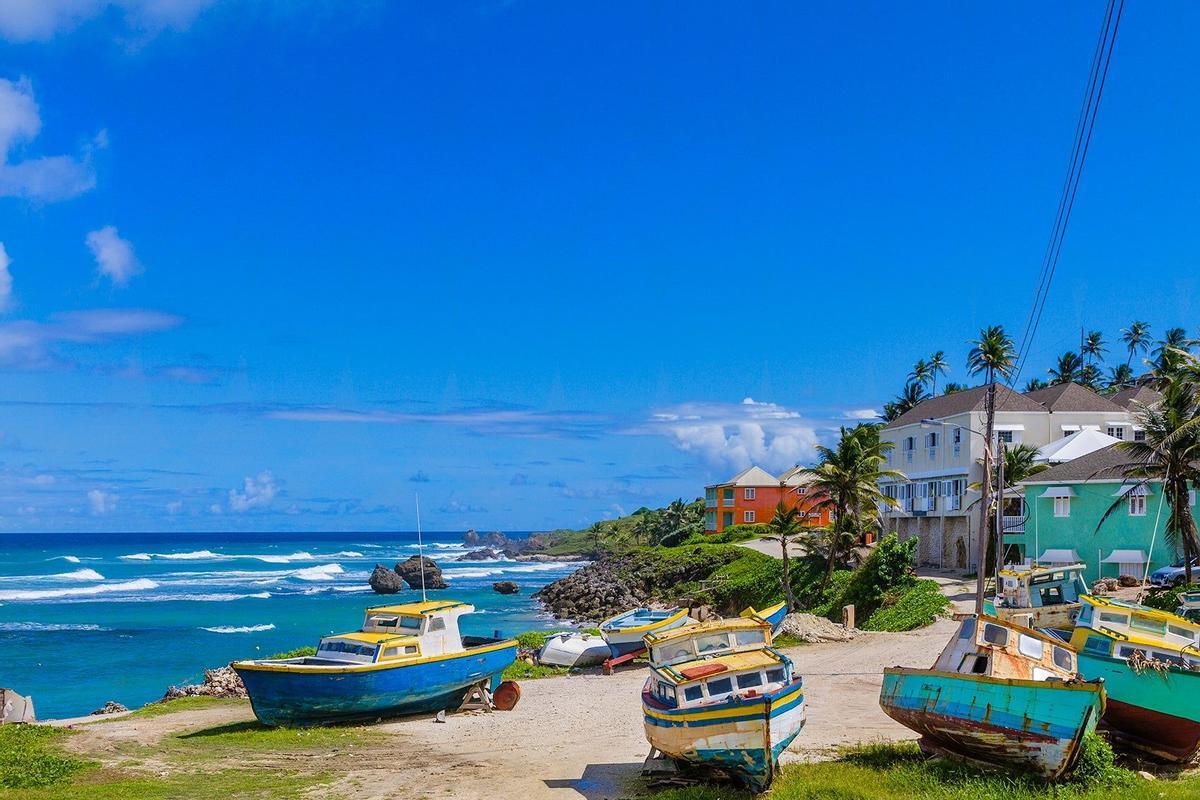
pixel 102 502
pixel 459 507
pixel 38 20
pixel 867 414
pixel 114 256
pixel 174 507
pixel 257 492
pixel 43 179
pixel 5 281
pixel 734 436
pixel 28 345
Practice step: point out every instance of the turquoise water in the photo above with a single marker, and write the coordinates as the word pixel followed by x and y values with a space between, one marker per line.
pixel 86 618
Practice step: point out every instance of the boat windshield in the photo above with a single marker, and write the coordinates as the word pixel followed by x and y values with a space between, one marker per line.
pixel 334 647
pixel 393 622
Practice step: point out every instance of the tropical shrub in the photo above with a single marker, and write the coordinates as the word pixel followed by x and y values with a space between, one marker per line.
pixel 29 759
pixel 914 606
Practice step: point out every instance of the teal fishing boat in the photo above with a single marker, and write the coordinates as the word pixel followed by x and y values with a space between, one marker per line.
pixel 406 659
pixel 1040 597
pixel 1150 663
pixel 1001 695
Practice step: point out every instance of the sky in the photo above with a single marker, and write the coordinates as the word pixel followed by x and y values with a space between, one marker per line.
pixel 277 265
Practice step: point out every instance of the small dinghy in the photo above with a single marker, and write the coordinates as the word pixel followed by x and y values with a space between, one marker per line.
pixel 720 696
pixel 624 632
pixel 1001 695
pixel 574 650
pixel 772 615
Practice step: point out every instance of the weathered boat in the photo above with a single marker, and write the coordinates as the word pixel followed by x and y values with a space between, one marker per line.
pixel 999 694
pixel 1150 663
pixel 1189 606
pixel 720 696
pixel 406 659
pixel 573 650
pixel 772 615
pixel 1040 597
pixel 624 632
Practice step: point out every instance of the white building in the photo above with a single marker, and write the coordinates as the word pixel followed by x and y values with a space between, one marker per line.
pixel 942 458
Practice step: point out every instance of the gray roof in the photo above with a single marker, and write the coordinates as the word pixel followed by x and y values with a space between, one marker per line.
pixel 1135 394
pixel 1107 463
pixel 973 399
pixel 1072 397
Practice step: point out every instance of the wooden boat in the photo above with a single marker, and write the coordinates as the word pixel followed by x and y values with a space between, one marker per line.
pixel 573 650
pixel 1150 663
pixel 624 632
pixel 1040 597
pixel 406 659
pixel 999 694
pixel 772 615
pixel 720 696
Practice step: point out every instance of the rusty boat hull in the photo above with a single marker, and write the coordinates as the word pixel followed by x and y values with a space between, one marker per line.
pixel 1031 726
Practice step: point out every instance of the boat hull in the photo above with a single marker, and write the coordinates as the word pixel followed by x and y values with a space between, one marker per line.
pixel 1061 617
pixel 1036 726
pixel 772 615
pixel 745 737
pixel 1156 713
pixel 283 694
pixel 574 650
pixel 623 640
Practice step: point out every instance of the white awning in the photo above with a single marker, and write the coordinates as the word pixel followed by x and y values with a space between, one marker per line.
pixel 1125 557
pixel 1117 424
pixel 1008 427
pixel 1137 491
pixel 1070 427
pixel 1058 491
pixel 1059 557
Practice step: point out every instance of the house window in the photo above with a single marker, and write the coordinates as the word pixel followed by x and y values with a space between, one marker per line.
pixel 748 494
pixel 710 497
pixel 727 497
pixel 710 520
pixel 1139 436
pixel 956 440
pixel 726 519
pixel 1137 505
pixel 748 516
pixel 1116 431
pixel 1004 436
pixel 801 490
pixel 910 443
pixel 1062 506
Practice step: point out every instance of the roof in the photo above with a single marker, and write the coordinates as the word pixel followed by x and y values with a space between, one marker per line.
pixel 1028 574
pixel 1145 612
pixel 796 476
pixel 1074 446
pixel 732 662
pixel 712 626
pixel 1105 464
pixel 752 476
pixel 373 638
pixel 1135 394
pixel 1072 397
pixel 423 608
pixel 947 405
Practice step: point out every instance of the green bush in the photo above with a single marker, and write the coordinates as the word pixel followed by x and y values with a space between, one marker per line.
pixel 910 607
pixel 755 579
pixel 828 603
pixel 1096 766
pixel 29 759
pixel 299 652
pixel 1166 598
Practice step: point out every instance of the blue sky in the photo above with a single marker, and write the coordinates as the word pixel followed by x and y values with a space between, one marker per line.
pixel 281 265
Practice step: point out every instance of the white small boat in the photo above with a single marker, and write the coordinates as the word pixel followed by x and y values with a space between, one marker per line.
pixel 624 632
pixel 574 650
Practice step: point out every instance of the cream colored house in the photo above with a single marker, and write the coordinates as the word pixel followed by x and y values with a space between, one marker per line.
pixel 941 456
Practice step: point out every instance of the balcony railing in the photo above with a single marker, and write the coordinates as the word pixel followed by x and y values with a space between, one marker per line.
pixel 1013 524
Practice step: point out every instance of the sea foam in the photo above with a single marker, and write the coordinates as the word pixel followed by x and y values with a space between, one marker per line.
pixel 140 585
pixel 240 628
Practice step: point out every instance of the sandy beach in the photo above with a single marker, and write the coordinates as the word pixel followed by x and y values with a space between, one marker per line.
pixel 570 737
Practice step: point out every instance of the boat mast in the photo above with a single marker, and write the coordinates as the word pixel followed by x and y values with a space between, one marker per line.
pixel 420 548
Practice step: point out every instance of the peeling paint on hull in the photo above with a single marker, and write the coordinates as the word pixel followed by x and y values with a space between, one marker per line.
pixel 1029 725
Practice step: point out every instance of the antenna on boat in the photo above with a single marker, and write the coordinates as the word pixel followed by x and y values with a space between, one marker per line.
pixel 420 548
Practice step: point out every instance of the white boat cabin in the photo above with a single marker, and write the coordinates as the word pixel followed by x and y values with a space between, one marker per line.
pixel 995 648
pixel 1042 587
pixel 1112 627
pixel 707 640
pixel 407 631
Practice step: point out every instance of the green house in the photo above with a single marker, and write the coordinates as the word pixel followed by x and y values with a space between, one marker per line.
pixel 1063 507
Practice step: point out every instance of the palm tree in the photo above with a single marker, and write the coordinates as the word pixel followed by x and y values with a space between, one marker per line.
pixel 1091 377
pixel 846 483
pixel 920 373
pixel 913 394
pixel 1119 376
pixel 1170 455
pixel 1033 384
pixel 1166 353
pixel 1067 370
pixel 937 366
pixel 1093 346
pixel 785 526
pixel 992 354
pixel 951 388
pixel 1136 337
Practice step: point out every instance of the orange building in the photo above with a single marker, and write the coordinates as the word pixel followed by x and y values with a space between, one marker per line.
pixel 750 498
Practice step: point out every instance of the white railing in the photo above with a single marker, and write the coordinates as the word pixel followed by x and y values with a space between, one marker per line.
pixel 1013 524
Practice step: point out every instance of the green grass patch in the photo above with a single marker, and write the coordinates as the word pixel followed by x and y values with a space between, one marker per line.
pixel 522 671
pixel 181 704
pixel 909 607
pixel 253 736
pixel 234 784
pixel 30 757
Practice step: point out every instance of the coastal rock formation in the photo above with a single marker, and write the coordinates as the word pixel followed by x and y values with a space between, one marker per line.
pixel 505 587
pixel 484 554
pixel 542 558
pixel 385 581
pixel 111 707
pixel 410 571
pixel 220 682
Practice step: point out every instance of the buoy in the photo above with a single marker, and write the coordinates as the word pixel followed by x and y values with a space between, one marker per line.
pixel 506 695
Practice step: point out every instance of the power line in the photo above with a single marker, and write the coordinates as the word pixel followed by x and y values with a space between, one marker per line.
pixel 1085 126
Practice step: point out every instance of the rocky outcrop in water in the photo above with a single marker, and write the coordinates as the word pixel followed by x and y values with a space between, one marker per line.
pixel 385 581
pixel 410 571
pixel 111 707
pixel 220 682
pixel 505 587
pixel 484 554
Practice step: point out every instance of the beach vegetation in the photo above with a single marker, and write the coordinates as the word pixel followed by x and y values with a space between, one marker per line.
pixel 30 757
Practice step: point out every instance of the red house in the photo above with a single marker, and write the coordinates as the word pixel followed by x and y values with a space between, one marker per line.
pixel 750 497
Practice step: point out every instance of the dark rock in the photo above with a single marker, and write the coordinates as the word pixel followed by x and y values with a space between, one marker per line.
pixel 111 707
pixel 471 538
pixel 384 580
pixel 496 539
pixel 505 587
pixel 410 571
pixel 486 554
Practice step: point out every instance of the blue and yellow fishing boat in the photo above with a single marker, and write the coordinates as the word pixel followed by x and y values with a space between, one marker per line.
pixel 772 615
pixel 624 632
pixel 720 696
pixel 406 659
pixel 1150 663
pixel 999 694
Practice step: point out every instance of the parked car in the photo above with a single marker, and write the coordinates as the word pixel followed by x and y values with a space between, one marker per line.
pixel 1174 574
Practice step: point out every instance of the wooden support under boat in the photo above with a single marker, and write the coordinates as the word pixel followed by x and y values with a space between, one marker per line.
pixel 622 659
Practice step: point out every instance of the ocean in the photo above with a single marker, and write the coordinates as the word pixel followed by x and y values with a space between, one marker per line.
pixel 87 618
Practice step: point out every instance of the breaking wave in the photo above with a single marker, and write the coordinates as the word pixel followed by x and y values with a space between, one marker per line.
pixel 268 558
pixel 140 585
pixel 240 629
pixel 49 626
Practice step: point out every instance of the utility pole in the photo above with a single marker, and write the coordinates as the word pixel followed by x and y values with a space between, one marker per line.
pixel 999 511
pixel 985 498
